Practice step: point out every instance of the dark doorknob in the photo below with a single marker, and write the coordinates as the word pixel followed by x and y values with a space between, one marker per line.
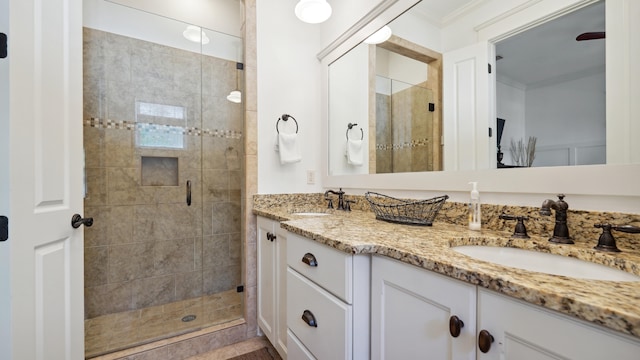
pixel 77 220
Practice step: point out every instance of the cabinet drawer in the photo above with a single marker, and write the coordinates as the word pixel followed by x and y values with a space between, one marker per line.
pixel 332 337
pixel 334 268
pixel 297 351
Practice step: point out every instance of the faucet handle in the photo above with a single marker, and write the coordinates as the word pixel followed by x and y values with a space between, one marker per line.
pixel 520 231
pixel 607 242
pixel 347 204
pixel 330 204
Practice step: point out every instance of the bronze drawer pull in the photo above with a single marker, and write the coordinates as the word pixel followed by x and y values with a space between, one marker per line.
pixel 308 317
pixel 310 260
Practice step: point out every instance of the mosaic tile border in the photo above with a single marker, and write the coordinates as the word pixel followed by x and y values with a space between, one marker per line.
pixel 412 144
pixel 193 131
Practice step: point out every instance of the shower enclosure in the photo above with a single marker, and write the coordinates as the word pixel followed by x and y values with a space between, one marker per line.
pixel 163 166
pixel 404 126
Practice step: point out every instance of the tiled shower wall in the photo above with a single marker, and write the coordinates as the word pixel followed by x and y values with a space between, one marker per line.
pixel 404 127
pixel 147 246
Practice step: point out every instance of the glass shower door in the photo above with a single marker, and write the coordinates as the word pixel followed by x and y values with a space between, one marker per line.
pixel 163 154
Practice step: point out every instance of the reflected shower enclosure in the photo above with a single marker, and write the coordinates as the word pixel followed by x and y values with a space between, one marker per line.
pixel 163 164
pixel 404 127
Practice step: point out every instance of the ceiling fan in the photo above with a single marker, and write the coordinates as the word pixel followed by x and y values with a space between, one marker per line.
pixel 590 36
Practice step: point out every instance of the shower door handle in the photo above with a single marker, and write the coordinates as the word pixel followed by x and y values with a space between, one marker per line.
pixel 188 192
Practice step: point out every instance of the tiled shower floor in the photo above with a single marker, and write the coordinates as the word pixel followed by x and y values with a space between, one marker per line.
pixel 113 332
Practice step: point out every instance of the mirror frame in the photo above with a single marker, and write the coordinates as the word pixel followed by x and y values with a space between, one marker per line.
pixel 619 180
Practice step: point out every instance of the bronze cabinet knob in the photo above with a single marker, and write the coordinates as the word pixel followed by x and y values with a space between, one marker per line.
pixel 484 341
pixel 455 326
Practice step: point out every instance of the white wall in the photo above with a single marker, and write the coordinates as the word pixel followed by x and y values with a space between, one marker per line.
pixel 570 115
pixel 349 99
pixel 137 20
pixel 288 83
pixel 345 14
pixel 567 118
pixel 401 68
pixel 224 16
pixel 429 35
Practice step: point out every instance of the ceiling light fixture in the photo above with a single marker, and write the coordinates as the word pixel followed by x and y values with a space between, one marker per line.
pixel 313 11
pixel 379 36
pixel 235 96
pixel 195 34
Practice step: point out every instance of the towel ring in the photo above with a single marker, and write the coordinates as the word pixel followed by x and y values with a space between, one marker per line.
pixel 350 126
pixel 286 117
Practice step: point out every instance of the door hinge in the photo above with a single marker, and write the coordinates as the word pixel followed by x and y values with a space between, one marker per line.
pixel 489 68
pixel 3 45
pixel 4 228
pixel 240 288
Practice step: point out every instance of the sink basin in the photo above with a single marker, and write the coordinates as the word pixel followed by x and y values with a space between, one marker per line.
pixel 545 263
pixel 310 214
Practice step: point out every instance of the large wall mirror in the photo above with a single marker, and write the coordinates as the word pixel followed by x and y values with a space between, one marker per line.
pixel 549 94
pixel 565 97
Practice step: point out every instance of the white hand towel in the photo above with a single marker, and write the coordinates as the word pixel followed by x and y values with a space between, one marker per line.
pixel 289 148
pixel 354 152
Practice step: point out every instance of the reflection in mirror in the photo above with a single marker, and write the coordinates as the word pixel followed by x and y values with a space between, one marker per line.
pixel 407 137
pixel 484 23
pixel 395 87
pixel 551 87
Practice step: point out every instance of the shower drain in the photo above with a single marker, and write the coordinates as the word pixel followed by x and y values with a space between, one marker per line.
pixel 188 318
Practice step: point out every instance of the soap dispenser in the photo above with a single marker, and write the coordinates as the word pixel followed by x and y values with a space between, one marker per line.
pixel 474 208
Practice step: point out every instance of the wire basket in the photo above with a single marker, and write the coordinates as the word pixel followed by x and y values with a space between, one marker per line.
pixel 414 212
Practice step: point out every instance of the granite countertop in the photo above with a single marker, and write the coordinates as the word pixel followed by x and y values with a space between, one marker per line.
pixel 615 305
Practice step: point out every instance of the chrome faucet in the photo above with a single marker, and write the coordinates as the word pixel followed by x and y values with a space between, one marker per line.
pixel 560 230
pixel 340 193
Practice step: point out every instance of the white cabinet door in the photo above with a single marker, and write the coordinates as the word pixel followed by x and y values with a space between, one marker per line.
pixel 41 263
pixel 523 331
pixel 281 290
pixel 411 309
pixel 272 284
pixel 266 278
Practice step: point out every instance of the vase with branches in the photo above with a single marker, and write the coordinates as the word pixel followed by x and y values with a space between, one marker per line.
pixel 523 154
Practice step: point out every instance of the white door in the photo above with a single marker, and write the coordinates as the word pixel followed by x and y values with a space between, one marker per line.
pixel 41 277
pixel 468 90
